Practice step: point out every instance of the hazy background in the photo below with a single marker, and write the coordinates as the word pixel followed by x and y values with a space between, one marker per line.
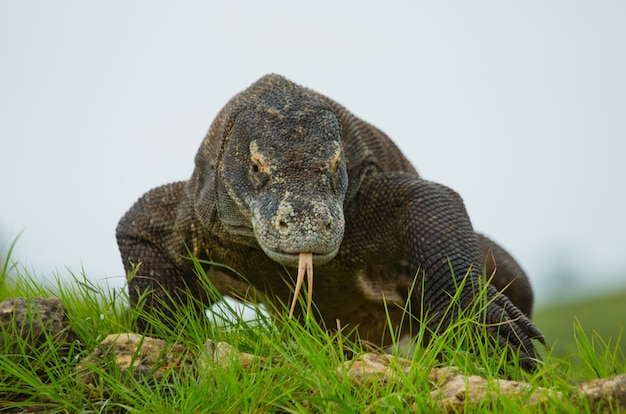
pixel 518 106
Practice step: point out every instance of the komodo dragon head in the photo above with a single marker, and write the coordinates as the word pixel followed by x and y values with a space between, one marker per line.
pixel 281 175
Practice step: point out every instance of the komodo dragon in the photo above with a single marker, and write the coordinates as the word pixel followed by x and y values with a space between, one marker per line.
pixel 287 178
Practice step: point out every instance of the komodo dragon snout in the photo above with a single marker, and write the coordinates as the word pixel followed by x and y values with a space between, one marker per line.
pixel 290 182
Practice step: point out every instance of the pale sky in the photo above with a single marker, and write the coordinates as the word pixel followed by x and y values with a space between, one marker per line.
pixel 518 106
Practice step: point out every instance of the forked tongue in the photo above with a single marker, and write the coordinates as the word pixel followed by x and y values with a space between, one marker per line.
pixel 305 265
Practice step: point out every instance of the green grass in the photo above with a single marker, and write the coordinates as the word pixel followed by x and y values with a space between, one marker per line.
pixel 303 378
pixel 599 318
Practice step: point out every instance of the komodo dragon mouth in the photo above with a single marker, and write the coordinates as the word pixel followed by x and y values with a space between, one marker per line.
pixel 293 259
pixel 305 265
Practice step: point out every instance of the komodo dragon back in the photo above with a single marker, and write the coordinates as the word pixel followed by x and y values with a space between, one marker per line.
pixel 287 178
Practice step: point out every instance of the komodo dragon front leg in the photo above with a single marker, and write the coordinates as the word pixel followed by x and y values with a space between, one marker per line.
pixel 161 274
pixel 426 225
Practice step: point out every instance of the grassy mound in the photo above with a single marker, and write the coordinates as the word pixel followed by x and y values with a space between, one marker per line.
pixel 306 378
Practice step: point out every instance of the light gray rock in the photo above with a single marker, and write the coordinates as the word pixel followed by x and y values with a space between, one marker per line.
pixel 374 367
pixel 222 354
pixel 452 390
pixel 605 394
pixel 136 355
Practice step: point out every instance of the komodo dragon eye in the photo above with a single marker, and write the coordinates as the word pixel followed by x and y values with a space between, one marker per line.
pixel 333 165
pixel 334 161
pixel 259 168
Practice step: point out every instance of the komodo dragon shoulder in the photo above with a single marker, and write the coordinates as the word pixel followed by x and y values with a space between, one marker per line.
pixel 287 176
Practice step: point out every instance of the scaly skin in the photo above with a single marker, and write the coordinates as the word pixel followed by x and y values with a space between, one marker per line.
pixel 285 171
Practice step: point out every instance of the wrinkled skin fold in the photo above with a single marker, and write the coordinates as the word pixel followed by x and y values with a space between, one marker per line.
pixel 287 179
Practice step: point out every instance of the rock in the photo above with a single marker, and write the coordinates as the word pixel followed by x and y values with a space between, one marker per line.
pixel 222 354
pixel 143 356
pixel 134 354
pixel 605 394
pixel 372 367
pixel 452 390
pixel 35 319
pixel 455 391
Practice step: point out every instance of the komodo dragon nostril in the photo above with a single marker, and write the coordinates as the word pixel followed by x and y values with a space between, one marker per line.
pixel 329 224
pixel 282 224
